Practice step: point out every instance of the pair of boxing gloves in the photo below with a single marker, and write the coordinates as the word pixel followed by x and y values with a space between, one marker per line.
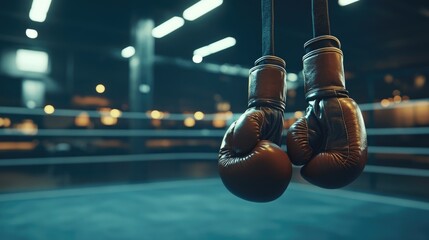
pixel 329 142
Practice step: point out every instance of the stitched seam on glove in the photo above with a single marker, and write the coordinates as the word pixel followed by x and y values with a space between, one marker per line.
pixel 324 133
pixel 345 161
pixel 308 138
pixel 262 126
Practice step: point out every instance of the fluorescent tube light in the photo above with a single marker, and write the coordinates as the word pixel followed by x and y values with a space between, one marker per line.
pixel 215 47
pixel 346 2
pixel 200 8
pixel 39 10
pixel 167 27
pixel 197 59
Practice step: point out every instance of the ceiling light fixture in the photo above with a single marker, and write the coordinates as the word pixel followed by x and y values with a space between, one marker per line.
pixel 167 27
pixel 32 61
pixel 200 8
pixel 128 52
pixel 39 10
pixel 346 2
pixel 31 33
pixel 215 47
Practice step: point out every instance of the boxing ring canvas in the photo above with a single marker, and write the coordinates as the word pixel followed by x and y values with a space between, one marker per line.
pixel 203 209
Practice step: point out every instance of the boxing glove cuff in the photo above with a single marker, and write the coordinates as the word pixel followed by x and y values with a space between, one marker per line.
pixel 320 42
pixel 323 72
pixel 267 83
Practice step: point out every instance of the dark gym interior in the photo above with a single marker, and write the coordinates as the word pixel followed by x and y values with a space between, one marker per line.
pixel 110 128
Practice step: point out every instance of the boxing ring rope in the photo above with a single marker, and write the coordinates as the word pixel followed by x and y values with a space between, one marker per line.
pixel 192 133
pixel 109 158
pixel 179 156
pixel 180 116
pixel 379 106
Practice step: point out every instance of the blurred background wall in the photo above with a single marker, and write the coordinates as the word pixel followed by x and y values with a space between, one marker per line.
pixel 94 93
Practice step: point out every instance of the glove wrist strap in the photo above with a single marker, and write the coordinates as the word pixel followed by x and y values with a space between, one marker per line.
pixel 323 69
pixel 267 83
pixel 280 106
pixel 328 92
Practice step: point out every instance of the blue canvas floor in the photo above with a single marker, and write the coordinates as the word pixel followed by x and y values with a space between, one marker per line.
pixel 203 209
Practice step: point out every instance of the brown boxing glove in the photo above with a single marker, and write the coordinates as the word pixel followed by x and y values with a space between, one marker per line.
pixel 251 164
pixel 330 140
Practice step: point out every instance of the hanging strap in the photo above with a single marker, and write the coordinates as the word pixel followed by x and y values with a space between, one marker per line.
pixel 267 7
pixel 321 28
pixel 320 16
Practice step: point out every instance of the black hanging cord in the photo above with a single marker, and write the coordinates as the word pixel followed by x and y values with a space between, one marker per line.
pixel 267 7
pixel 321 27
pixel 320 18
